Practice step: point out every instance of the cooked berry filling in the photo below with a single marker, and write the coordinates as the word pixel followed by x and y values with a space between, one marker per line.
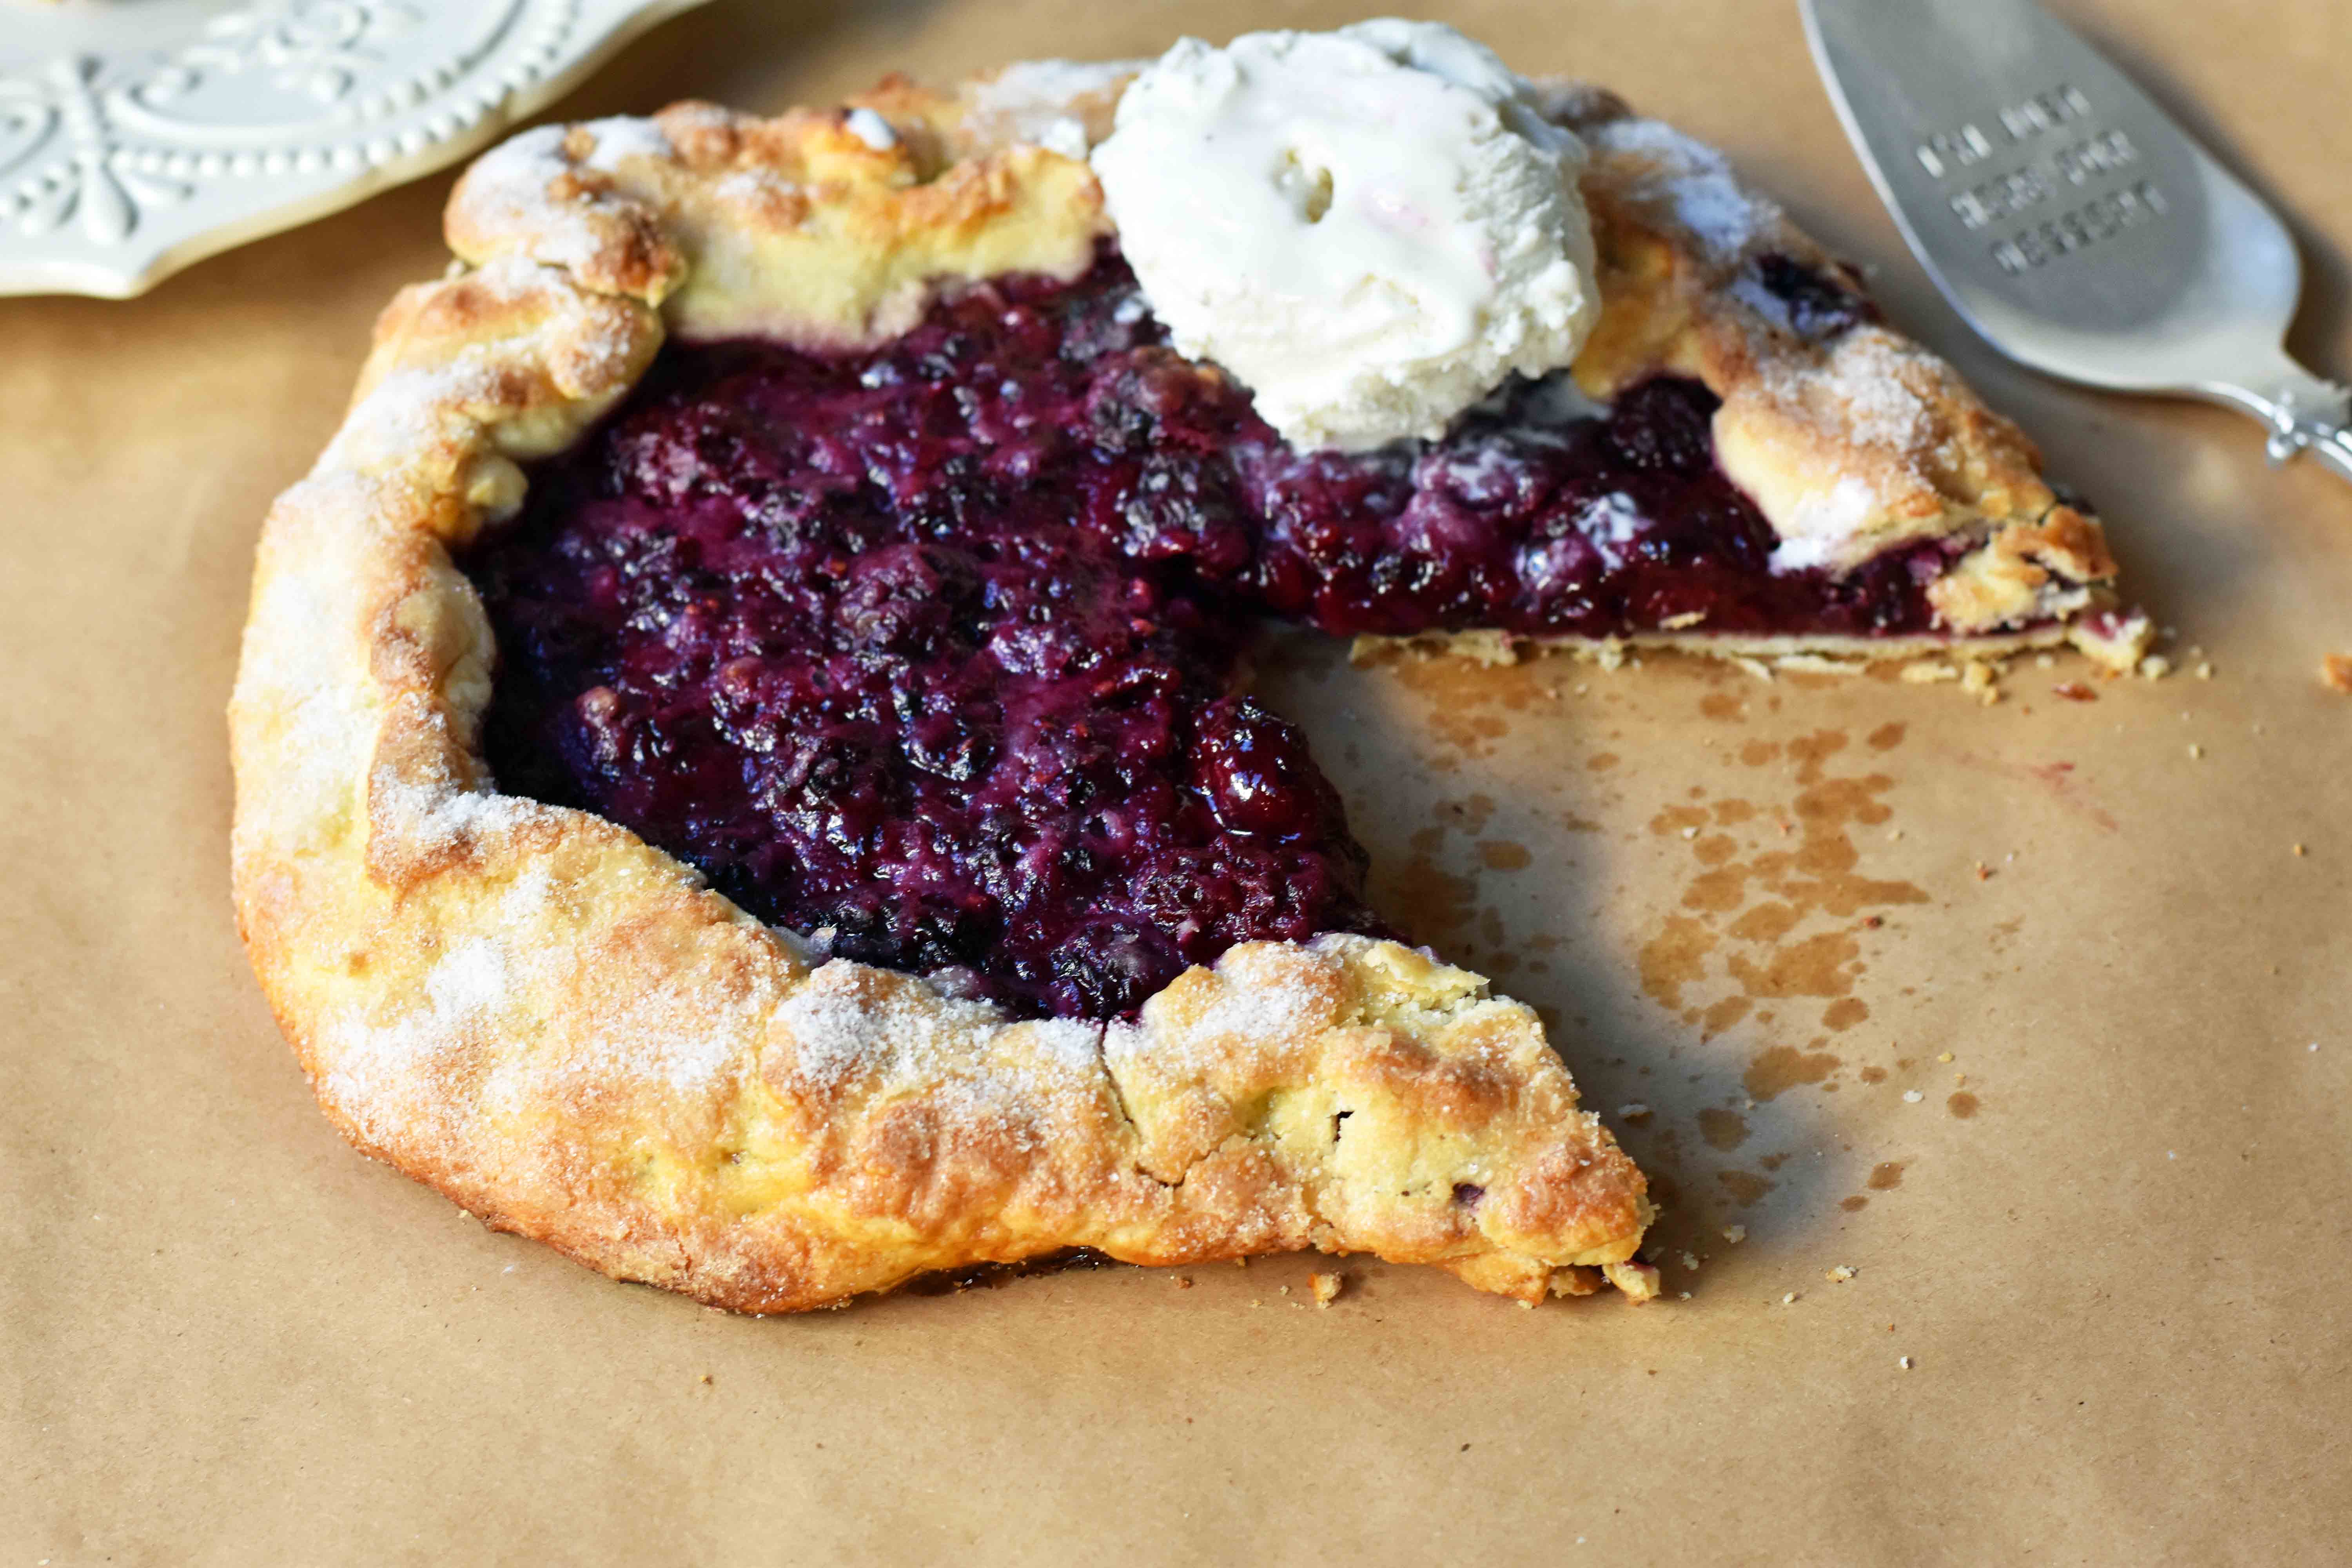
pixel 927 651
pixel 1813 303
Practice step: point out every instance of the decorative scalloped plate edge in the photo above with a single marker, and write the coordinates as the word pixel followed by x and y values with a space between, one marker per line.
pixel 130 149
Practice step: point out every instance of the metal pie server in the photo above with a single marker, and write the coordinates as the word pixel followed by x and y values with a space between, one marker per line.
pixel 2073 225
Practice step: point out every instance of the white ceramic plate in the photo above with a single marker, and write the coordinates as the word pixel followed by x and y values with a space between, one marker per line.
pixel 137 136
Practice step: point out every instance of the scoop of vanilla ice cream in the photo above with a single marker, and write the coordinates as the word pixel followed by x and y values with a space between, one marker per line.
pixel 1371 229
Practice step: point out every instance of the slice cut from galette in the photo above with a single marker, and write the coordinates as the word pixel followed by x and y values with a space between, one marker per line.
pixel 740 773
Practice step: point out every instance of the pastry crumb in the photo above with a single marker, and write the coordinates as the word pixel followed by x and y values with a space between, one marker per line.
pixel 1943 1055
pixel 1327 1286
pixel 1634 1112
pixel 1841 1273
pixel 2336 672
pixel 1184 1282
pixel 1926 672
pixel 1789 1299
pixel 1636 1282
pixel 1912 1097
pixel 2195 750
pixel 2299 849
pixel 2205 671
pixel 1577 1280
pixel 2156 667
pixel 1904 1361
pixel 1735 1234
pixel 1690 1261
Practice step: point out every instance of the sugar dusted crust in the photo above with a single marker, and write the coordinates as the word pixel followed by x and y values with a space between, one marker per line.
pixel 1851 447
pixel 562 1029
pixel 796 227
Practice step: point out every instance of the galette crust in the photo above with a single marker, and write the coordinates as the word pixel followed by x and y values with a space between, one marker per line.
pixel 562 1029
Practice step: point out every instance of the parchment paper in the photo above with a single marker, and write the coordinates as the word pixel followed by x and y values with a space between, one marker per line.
pixel 2109 1232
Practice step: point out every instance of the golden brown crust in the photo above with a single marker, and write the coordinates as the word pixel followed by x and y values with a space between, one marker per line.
pixel 1850 447
pixel 798 228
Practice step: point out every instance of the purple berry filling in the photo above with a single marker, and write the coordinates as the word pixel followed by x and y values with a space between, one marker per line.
pixel 1814 304
pixel 927 651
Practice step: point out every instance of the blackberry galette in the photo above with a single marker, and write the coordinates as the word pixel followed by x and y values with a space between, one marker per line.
pixel 743 773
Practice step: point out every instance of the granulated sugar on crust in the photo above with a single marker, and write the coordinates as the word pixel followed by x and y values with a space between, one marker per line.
pixel 1693 184
pixel 582 342
pixel 851 1025
pixel 1048 102
pixel 529 183
pixel 1865 378
pixel 857 1029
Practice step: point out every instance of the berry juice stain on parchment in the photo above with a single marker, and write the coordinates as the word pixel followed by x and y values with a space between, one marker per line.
pixel 1779 912
pixel 1777 903
pixel 1734 1046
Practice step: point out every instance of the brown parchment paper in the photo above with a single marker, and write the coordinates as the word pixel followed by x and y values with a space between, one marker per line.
pixel 2009 1009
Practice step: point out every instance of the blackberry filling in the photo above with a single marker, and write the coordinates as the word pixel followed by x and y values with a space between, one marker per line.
pixel 927 651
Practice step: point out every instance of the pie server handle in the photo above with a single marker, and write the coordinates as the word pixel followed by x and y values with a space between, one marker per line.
pixel 2301 412
pixel 2067 217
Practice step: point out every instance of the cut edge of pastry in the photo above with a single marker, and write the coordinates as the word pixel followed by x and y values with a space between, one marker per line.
pixel 2117 645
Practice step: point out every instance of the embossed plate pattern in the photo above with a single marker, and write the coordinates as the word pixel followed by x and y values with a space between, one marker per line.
pixel 142 136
